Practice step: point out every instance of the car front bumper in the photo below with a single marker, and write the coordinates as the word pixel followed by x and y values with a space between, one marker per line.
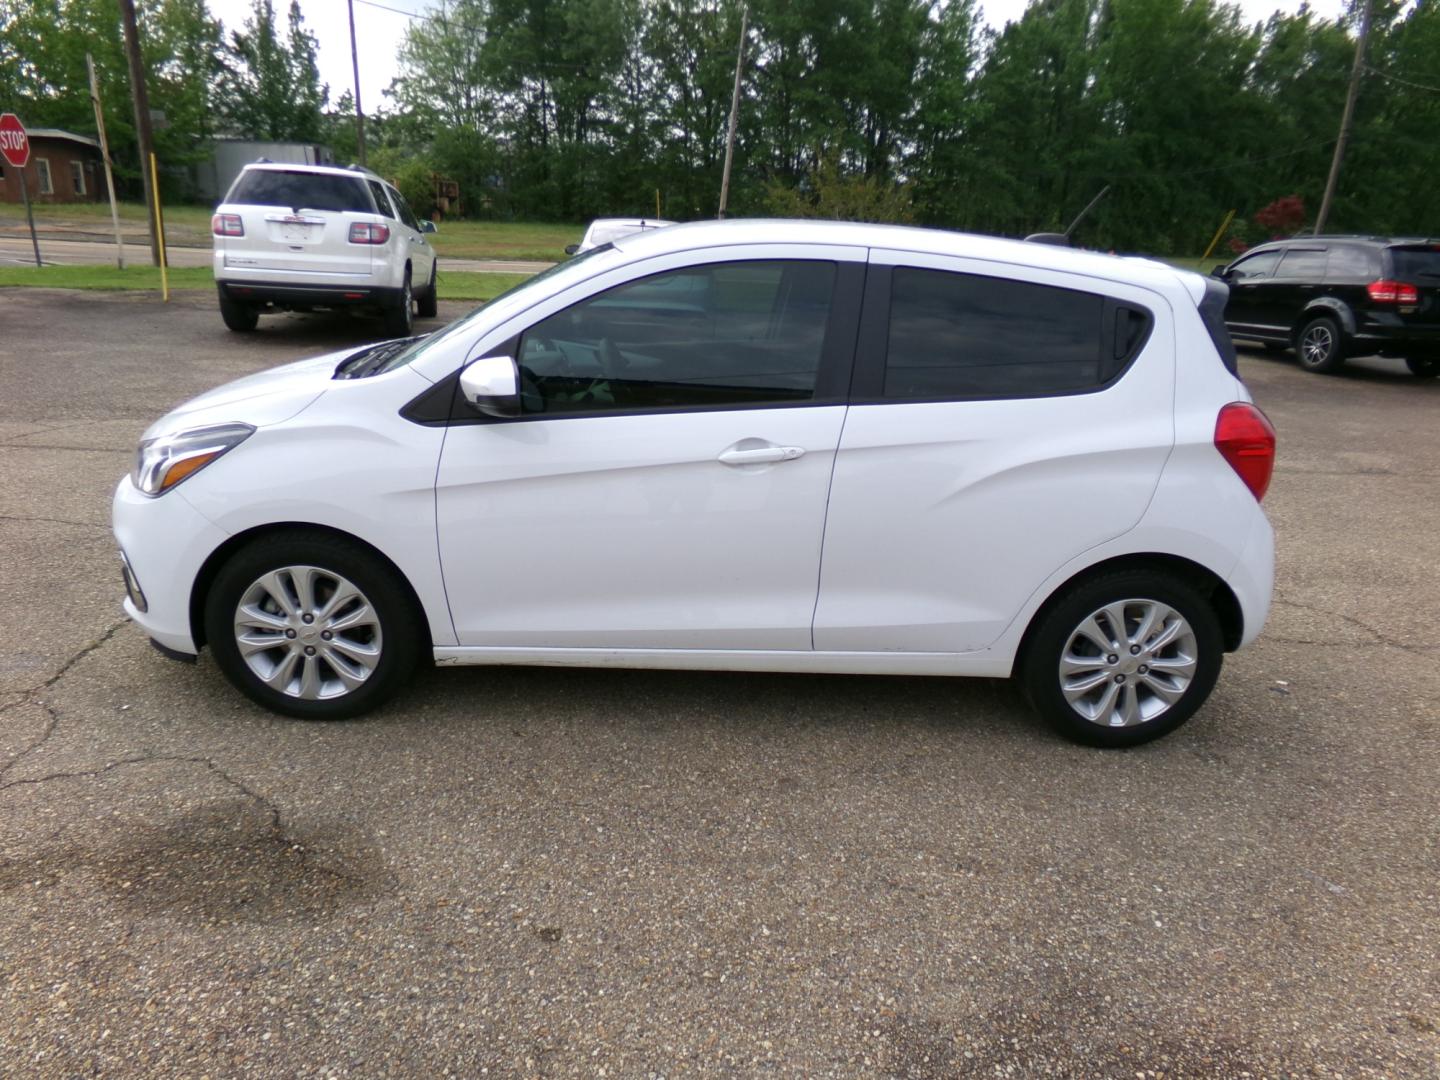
pixel 164 542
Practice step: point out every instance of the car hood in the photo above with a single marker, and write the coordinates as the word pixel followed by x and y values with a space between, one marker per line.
pixel 267 397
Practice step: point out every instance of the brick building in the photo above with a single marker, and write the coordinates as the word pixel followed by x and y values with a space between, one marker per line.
pixel 64 168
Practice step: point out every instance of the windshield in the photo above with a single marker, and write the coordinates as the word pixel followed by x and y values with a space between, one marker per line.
pixel 415 348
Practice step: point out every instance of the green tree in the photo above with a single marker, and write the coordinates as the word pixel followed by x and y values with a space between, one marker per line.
pixel 270 87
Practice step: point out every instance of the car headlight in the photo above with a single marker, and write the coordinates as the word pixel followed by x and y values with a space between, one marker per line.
pixel 162 463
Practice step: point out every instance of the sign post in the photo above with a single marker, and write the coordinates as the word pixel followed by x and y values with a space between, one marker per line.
pixel 15 145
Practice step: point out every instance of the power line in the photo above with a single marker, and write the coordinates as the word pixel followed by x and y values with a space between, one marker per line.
pixel 1402 82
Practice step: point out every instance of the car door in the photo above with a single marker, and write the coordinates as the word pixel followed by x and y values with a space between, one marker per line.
pixel 421 254
pixel 1004 420
pixel 1298 279
pixel 665 487
pixel 1251 281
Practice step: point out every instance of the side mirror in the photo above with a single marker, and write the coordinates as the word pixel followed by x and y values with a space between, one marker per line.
pixel 492 386
pixel 429 227
pixel 571 249
pixel 1219 271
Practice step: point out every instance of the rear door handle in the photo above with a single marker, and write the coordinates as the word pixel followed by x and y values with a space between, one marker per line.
pixel 762 455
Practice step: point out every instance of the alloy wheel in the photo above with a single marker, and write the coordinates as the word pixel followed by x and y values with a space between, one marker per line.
pixel 1317 345
pixel 307 633
pixel 1128 663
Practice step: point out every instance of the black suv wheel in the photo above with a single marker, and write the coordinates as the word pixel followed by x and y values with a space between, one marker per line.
pixel 1319 346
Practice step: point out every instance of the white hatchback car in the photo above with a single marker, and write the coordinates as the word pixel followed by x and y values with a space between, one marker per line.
pixel 299 237
pixel 760 446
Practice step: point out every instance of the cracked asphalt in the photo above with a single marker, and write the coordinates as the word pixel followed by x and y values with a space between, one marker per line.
pixel 524 873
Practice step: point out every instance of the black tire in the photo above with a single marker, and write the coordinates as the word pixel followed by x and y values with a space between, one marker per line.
pixel 1423 367
pixel 428 306
pixel 1049 639
pixel 1319 346
pixel 400 315
pixel 395 627
pixel 240 317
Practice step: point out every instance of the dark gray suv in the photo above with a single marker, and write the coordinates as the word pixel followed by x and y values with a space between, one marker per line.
pixel 1329 297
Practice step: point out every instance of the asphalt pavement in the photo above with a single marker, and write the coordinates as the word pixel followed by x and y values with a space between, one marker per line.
pixel 529 872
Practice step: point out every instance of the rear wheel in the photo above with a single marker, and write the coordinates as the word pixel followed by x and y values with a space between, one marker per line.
pixel 428 306
pixel 312 626
pixel 1123 658
pixel 238 316
pixel 400 316
pixel 1319 347
pixel 1423 367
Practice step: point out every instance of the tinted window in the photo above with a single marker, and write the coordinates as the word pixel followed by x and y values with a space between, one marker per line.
pixel 1255 267
pixel 958 335
pixel 1308 264
pixel 1420 265
pixel 382 204
pixel 300 191
pixel 403 208
pixel 1346 263
pixel 728 334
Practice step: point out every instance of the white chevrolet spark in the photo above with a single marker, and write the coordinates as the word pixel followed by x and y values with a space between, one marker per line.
pixel 744 446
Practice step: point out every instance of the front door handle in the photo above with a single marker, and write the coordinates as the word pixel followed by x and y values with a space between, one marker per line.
pixel 762 455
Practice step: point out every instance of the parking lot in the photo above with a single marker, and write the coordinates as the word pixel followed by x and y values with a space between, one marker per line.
pixel 530 872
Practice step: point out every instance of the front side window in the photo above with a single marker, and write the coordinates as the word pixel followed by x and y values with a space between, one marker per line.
pixel 1306 264
pixel 966 336
pixel 403 209
pixel 1255 267
pixel 724 335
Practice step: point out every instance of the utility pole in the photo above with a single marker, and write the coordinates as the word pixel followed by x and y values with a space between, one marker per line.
pixel 141 99
pixel 105 154
pixel 359 112
pixel 1346 119
pixel 734 113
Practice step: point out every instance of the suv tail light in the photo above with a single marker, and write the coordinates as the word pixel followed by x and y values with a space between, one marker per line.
pixel 1386 291
pixel 1246 439
pixel 362 232
pixel 227 225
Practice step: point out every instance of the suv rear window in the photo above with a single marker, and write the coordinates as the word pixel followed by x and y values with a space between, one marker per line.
pixel 300 191
pixel 1416 264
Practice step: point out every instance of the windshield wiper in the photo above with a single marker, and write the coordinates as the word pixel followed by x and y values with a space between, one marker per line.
pixel 369 361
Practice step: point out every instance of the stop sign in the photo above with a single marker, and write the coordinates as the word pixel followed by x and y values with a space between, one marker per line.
pixel 14 143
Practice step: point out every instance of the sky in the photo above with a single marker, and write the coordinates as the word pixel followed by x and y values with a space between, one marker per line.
pixel 379 31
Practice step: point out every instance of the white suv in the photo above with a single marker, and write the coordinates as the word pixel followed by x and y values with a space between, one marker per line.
pixel 298 237
pixel 760 446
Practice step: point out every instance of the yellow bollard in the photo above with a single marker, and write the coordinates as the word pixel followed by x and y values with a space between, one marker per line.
pixel 160 231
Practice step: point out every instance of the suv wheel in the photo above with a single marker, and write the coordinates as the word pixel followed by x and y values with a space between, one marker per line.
pixel 400 318
pixel 1423 367
pixel 238 316
pixel 1319 346
pixel 428 306
pixel 1123 658
pixel 312 626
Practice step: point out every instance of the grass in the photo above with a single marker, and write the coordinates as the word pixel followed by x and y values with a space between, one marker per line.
pixel 190 226
pixel 453 285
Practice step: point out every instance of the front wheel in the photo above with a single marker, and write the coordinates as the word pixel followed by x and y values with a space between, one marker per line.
pixel 400 316
pixel 1423 367
pixel 238 316
pixel 312 626
pixel 1319 346
pixel 1123 658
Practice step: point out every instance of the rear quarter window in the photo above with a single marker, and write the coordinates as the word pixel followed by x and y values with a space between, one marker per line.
pixel 1351 264
pixel 300 191
pixel 1416 264
pixel 957 335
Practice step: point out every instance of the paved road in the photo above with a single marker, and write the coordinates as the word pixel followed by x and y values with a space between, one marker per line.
pixel 17 251
pixel 585 873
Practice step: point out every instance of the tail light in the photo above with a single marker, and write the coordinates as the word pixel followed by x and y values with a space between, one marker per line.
pixel 1386 291
pixel 1246 439
pixel 362 232
pixel 227 225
